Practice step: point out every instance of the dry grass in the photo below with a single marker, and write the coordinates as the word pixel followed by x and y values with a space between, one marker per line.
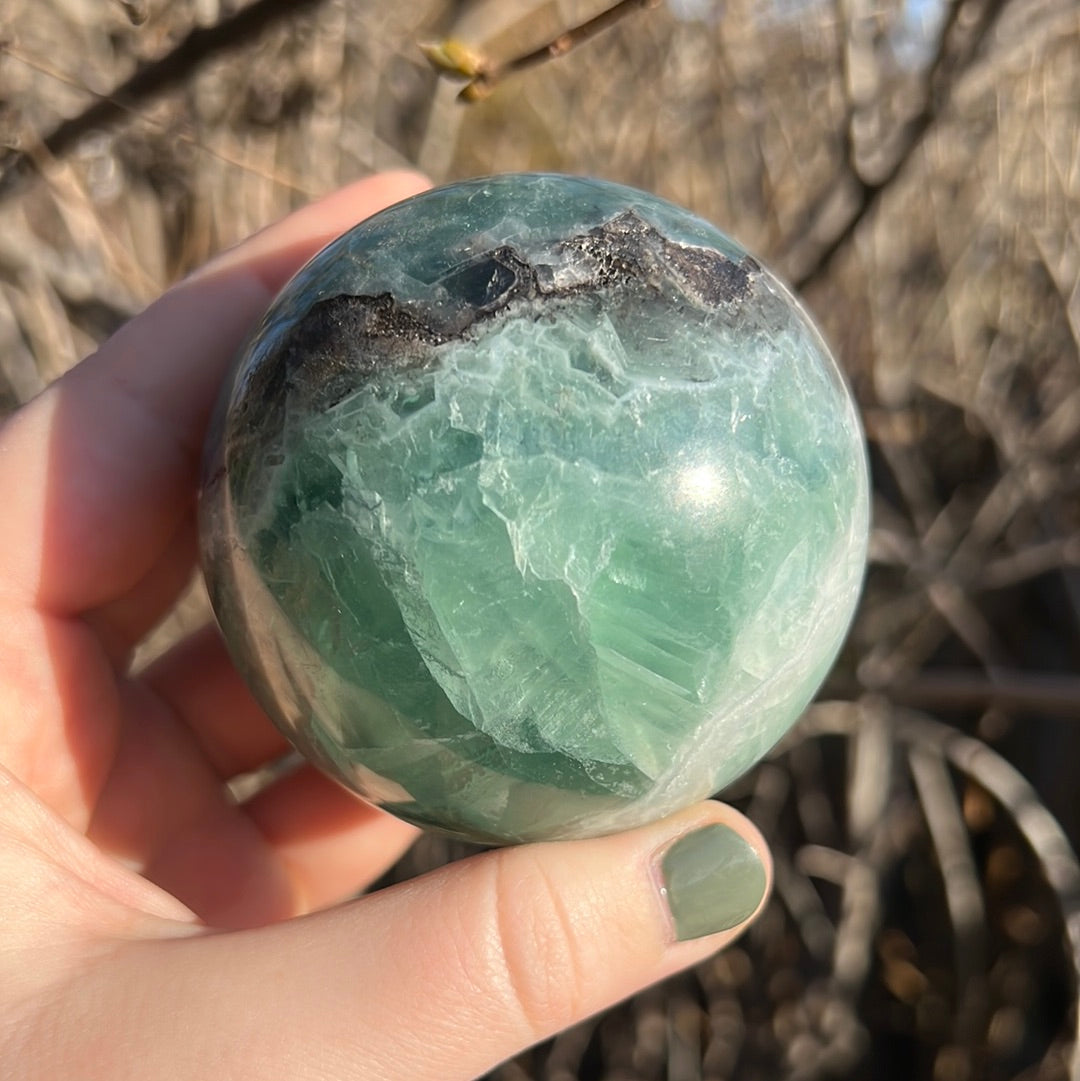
pixel 925 196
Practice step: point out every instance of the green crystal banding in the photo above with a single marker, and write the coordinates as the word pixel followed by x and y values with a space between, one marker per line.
pixel 534 509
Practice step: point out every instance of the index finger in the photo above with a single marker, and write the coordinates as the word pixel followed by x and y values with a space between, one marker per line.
pixel 101 468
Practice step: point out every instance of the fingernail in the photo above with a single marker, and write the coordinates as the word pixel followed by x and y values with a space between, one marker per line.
pixel 713 880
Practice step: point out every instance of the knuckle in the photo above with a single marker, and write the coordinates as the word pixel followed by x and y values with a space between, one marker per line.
pixel 540 945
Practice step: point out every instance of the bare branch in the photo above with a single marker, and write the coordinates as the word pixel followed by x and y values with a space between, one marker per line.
pixel 453 58
pixel 158 77
pixel 945 71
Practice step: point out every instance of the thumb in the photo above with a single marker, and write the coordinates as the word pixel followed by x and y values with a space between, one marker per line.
pixel 441 978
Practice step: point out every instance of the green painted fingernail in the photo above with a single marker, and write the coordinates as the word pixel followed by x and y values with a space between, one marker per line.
pixel 713 880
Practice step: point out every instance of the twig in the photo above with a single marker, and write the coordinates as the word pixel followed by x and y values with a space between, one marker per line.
pixel 799 897
pixel 1005 784
pixel 38 154
pixel 772 785
pixel 1030 562
pixel 457 60
pixel 871 771
pixel 952 688
pixel 824 863
pixel 159 76
pixel 963 895
pixel 969 625
pixel 1039 827
pixel 944 72
pixel 869 793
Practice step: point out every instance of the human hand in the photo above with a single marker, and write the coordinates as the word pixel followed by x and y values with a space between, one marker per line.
pixel 147 916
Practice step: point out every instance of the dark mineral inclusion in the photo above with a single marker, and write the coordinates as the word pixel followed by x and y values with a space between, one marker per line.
pixel 346 338
pixel 535 508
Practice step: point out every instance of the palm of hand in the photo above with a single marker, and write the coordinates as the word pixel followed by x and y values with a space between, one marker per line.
pixel 103 540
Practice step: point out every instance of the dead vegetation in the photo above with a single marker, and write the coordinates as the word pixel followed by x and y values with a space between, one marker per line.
pixel 914 168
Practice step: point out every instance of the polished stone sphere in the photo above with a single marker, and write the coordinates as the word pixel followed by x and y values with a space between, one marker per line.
pixel 535 508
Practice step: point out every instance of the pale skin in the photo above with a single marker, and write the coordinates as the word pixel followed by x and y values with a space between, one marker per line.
pixel 151 926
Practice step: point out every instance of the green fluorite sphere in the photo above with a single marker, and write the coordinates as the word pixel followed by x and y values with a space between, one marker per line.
pixel 534 509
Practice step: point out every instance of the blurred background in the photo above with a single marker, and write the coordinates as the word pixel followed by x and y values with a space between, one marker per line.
pixel 912 167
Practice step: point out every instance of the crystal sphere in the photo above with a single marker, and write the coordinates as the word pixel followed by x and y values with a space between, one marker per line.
pixel 535 508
